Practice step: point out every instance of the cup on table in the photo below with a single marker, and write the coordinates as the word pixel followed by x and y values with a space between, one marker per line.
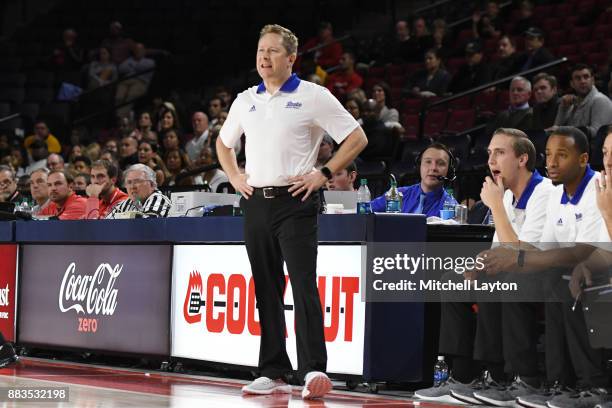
pixel 461 213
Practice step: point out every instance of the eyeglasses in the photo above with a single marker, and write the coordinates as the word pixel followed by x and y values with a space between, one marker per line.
pixel 134 182
pixel 6 183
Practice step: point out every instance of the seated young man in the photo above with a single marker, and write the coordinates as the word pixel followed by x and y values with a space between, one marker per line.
pixel 517 195
pixel 428 196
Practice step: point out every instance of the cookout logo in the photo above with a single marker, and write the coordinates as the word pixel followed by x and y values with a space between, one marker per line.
pixel 4 301
pixel 90 295
pixel 228 303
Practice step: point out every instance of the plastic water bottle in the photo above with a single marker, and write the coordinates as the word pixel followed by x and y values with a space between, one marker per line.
pixel 449 204
pixel 440 372
pixel 490 219
pixel 393 198
pixel 236 210
pixel 364 198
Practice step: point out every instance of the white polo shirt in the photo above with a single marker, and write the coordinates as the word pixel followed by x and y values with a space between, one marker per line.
pixel 527 215
pixel 576 219
pixel 284 131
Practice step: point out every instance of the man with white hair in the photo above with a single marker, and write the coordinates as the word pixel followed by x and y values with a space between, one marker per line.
pixel 519 114
pixel 144 197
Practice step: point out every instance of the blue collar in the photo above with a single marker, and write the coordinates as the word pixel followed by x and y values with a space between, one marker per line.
pixel 588 174
pixel 535 179
pixel 290 85
pixel 519 108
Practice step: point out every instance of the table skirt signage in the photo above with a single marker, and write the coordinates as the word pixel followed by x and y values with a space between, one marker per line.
pixel 214 313
pixel 96 297
pixel 8 271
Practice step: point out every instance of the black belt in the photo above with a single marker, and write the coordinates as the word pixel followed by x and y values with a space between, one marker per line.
pixel 271 192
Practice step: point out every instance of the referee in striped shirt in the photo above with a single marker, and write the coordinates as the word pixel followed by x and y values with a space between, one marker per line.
pixel 145 198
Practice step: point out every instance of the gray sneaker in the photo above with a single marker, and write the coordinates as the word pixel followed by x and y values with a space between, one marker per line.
pixel 506 396
pixel 604 405
pixel 440 393
pixel 584 399
pixel 266 386
pixel 465 392
pixel 539 400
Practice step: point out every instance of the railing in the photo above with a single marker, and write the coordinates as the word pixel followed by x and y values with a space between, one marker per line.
pixel 480 88
pixel 469 18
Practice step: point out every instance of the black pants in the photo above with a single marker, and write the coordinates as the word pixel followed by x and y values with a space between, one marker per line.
pixel 276 230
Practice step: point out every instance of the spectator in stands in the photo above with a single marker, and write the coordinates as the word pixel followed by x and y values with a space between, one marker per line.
pixel 353 107
pixel 81 181
pixel 199 122
pixel 345 79
pixel 39 190
pixel 420 42
pixel 546 101
pixel 344 180
pixel 68 56
pixel 112 146
pixel 326 151
pixel 587 107
pixel 330 52
pixel 379 135
pixel 23 186
pixel 144 130
pixel 215 107
pixel 38 150
pixel 109 156
pixel 177 162
pixel 134 87
pixel 213 177
pixel 381 93
pixel 171 140
pixel 225 94
pixel 428 196
pixel 310 69
pixel 102 193
pixel 144 197
pixel 128 152
pixel 92 151
pixel 357 94
pixel 41 132
pixel 519 114
pixel 82 164
pixel 509 62
pixel 474 72
pixel 55 162
pixel 16 160
pixel 168 119
pixel 525 18
pixel 8 186
pixel 65 204
pixel 400 47
pixel 148 153
pixel 102 70
pixel 442 39
pixel 431 81
pixel 487 25
pixel 535 53
pixel 119 46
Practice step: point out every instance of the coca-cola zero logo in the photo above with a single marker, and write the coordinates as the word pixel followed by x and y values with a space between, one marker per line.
pixel 89 294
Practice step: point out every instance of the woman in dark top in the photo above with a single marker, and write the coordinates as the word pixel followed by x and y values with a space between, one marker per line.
pixel 433 80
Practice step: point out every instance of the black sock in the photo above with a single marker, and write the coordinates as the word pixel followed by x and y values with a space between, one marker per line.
pixel 463 369
pixel 497 371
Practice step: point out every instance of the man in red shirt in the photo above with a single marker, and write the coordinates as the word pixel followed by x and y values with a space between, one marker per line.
pixel 328 55
pixel 64 205
pixel 345 79
pixel 102 192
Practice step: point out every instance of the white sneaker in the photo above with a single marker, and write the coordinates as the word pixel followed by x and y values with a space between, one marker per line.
pixel 316 385
pixel 265 386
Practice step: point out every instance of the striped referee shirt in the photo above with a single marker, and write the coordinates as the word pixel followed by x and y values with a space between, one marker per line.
pixel 156 205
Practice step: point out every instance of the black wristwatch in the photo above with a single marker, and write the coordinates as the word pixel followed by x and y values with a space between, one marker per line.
pixel 326 172
pixel 520 260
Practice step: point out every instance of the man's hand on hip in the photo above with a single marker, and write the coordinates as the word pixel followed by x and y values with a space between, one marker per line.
pixel 239 182
pixel 307 183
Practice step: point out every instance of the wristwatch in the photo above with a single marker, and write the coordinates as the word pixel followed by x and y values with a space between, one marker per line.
pixel 326 172
pixel 520 260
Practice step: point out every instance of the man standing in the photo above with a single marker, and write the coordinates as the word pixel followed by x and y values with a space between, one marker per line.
pixel 284 120
pixel 65 204
pixel 102 192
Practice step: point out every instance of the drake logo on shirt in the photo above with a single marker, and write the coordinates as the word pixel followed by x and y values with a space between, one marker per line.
pixel 252 109
pixel 293 105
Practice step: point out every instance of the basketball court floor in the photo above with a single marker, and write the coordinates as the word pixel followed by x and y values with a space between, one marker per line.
pixel 100 386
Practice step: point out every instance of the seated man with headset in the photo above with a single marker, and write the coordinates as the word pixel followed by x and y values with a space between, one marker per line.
pixel 436 165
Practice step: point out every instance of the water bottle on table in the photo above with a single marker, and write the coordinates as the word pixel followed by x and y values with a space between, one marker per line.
pixel 440 372
pixel 393 198
pixel 363 198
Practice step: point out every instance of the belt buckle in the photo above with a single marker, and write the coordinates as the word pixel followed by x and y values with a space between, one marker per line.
pixel 268 192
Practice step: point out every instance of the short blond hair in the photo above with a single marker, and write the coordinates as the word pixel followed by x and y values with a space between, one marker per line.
pixel 290 41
